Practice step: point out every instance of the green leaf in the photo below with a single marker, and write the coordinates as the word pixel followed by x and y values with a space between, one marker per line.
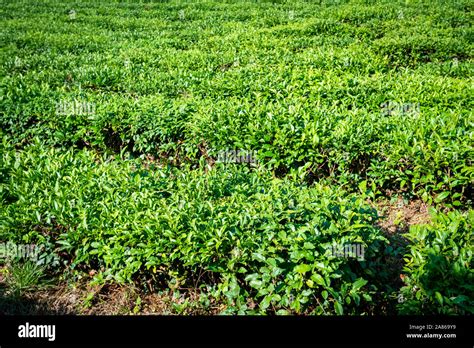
pixel 318 279
pixel 441 197
pixel 303 268
pixel 338 307
pixel 258 256
pixel 359 283
pixel 439 297
pixel 257 284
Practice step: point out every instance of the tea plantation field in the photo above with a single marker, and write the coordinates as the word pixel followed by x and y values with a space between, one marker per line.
pixel 249 157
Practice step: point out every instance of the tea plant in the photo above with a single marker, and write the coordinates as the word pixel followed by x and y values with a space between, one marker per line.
pixel 230 146
pixel 439 276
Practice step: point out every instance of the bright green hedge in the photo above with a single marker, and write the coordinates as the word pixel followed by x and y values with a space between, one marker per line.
pixel 250 236
pixel 439 272
pixel 300 82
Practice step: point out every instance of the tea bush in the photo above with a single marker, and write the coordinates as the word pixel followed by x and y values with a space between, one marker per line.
pixel 439 275
pixel 113 115
pixel 255 237
pixel 301 83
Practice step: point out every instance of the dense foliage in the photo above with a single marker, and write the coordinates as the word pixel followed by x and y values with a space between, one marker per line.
pixel 113 116
pixel 439 267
